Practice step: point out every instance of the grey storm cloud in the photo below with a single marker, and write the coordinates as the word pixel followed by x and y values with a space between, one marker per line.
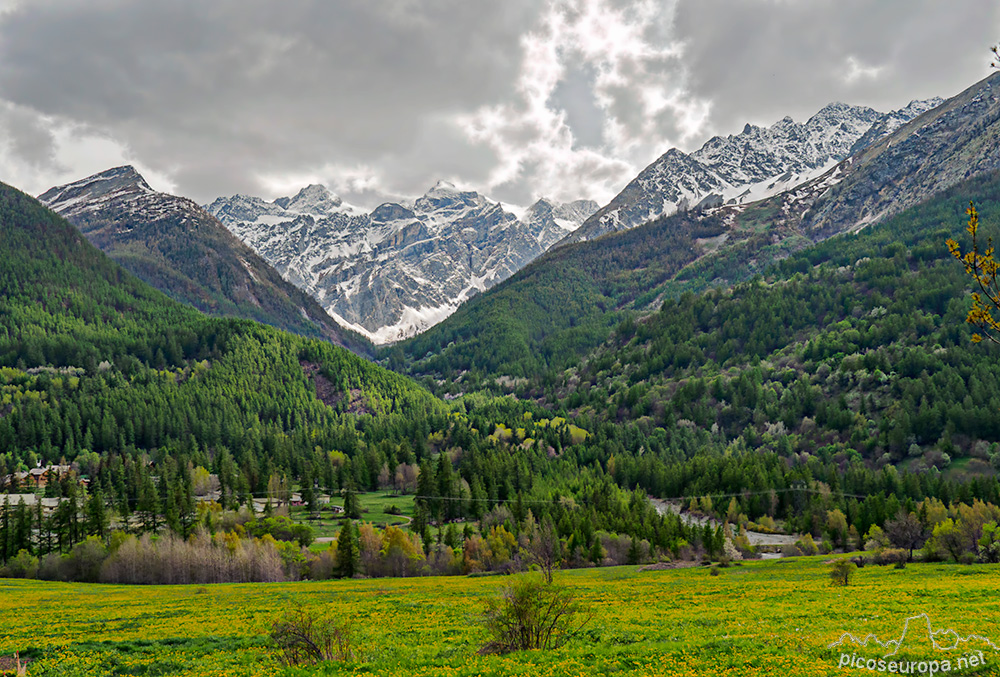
pixel 759 60
pixel 566 98
pixel 27 138
pixel 208 90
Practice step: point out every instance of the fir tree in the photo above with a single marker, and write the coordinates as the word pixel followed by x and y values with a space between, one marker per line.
pixel 348 551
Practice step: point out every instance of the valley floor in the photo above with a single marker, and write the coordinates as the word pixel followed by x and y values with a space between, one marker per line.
pixel 761 618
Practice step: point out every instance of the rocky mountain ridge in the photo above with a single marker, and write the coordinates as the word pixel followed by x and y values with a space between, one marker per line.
pixel 176 246
pixel 746 167
pixel 398 270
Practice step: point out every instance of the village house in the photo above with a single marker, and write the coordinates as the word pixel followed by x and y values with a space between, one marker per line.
pixel 36 478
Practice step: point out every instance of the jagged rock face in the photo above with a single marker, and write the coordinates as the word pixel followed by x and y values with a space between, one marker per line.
pixel 549 222
pixel 176 246
pixel 953 141
pixel 402 268
pixel 746 167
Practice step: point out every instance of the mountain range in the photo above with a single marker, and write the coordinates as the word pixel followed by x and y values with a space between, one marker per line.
pixel 746 167
pixel 176 246
pixel 403 268
pixel 394 272
pixel 568 301
pixel 814 341
pixel 738 204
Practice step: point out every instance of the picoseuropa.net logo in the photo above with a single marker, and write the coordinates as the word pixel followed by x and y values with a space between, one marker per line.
pixel 919 650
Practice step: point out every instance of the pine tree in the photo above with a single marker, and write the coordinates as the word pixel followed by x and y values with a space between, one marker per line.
pixel 149 504
pixel 348 551
pixel 44 542
pixel 6 537
pixel 97 516
pixel 446 487
pixel 427 488
pixel 308 491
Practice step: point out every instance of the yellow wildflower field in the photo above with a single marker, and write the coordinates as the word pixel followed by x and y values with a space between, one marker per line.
pixel 761 618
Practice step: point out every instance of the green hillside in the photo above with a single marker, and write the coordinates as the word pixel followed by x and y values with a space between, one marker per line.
pixel 98 362
pixel 848 363
pixel 138 392
pixel 850 387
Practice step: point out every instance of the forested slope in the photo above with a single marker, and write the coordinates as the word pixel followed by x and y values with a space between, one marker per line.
pixel 98 362
pixel 137 392
pixel 855 347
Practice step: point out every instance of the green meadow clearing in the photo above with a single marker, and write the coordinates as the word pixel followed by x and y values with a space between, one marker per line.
pixel 762 618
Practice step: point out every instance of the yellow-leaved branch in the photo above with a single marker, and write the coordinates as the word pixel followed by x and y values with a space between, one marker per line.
pixel 982 267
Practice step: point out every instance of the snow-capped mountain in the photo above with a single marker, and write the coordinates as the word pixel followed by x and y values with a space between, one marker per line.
pixel 176 246
pixel 746 167
pixel 402 268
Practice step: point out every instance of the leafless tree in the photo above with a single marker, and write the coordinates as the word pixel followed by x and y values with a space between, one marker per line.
pixel 544 548
pixel 530 614
pixel 905 531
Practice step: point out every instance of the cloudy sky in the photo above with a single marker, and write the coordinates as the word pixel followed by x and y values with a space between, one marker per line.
pixel 381 98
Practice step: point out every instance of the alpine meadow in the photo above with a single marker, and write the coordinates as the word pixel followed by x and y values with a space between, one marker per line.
pixel 631 390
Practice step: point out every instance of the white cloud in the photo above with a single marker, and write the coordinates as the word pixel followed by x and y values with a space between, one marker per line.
pixel 855 70
pixel 40 151
pixel 638 86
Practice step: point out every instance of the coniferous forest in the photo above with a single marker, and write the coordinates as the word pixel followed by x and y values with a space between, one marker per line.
pixel 837 396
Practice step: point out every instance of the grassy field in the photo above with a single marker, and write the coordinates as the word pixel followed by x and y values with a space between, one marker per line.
pixel 762 618
pixel 373 509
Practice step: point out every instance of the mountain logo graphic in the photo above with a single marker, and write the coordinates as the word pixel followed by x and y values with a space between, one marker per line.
pixel 919 649
pixel 914 627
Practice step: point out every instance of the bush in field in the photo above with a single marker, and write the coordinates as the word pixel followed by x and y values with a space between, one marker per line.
pixel 24 565
pixel 85 560
pixel 889 556
pixel 802 547
pixel 530 613
pixel 307 636
pixel 842 571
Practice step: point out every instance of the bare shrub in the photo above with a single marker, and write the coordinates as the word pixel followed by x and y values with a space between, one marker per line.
pixel 888 556
pixel 307 636
pixel 223 558
pixel 530 614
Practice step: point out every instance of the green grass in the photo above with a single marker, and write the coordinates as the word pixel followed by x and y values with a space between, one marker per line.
pixel 373 509
pixel 762 618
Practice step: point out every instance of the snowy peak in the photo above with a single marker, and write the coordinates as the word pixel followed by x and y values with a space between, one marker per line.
pixel 445 196
pixel 892 121
pixel 313 199
pixel 243 208
pixel 442 187
pixel 577 211
pixel 394 272
pixel 756 163
pixel 391 211
pixel 549 222
pixel 74 196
